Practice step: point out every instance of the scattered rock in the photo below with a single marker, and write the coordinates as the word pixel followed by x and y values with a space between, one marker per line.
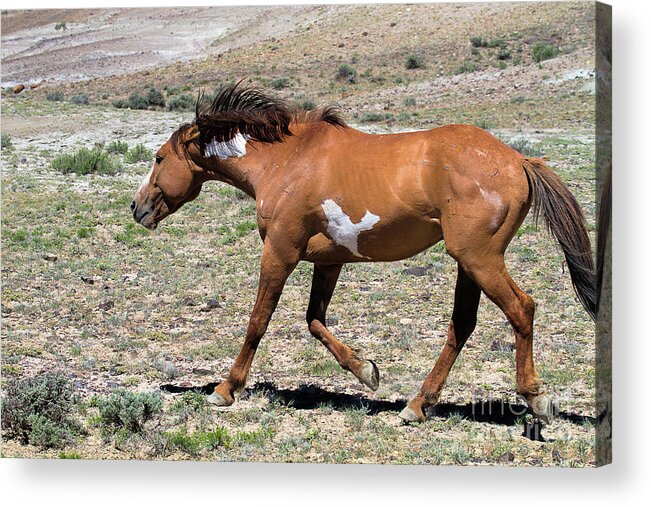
pixel 507 457
pixel 416 270
pixel 106 305
pixel 202 371
pixel 50 257
pixel 405 321
pixel 188 301
pixel 18 88
pixel 211 304
pixel 87 280
pixel 501 346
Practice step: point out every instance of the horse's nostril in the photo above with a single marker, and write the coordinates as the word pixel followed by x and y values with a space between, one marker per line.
pixel 133 205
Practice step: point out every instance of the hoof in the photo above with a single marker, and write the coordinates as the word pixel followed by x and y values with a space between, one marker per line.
pixel 370 375
pixel 409 416
pixel 543 407
pixel 218 399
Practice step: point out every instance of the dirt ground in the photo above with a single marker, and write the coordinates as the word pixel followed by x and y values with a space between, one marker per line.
pixel 122 307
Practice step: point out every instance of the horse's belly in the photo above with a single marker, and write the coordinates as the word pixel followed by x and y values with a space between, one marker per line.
pixel 383 242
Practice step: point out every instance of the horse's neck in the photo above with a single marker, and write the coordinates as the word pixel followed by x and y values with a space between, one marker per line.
pixel 251 170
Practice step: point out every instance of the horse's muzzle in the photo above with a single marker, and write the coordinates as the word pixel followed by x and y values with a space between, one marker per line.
pixel 139 215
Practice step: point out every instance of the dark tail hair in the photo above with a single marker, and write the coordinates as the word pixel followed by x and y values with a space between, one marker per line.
pixel 605 211
pixel 552 199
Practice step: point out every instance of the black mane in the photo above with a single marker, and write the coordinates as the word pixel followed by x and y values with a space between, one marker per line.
pixel 247 110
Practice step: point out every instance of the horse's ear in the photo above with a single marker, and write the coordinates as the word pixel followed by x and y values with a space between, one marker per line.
pixel 189 134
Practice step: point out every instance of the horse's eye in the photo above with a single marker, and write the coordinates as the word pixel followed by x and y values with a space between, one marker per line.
pixel 159 159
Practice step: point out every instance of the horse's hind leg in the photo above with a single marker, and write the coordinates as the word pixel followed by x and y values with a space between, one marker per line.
pixel 323 285
pixel 491 275
pixel 464 318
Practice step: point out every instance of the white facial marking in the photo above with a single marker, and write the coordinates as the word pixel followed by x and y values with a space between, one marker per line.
pixel 341 228
pixel 235 147
pixel 145 179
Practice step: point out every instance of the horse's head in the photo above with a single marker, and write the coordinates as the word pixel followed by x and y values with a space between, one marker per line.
pixel 203 149
pixel 173 180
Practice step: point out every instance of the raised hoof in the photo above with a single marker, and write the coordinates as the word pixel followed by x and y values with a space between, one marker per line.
pixel 410 416
pixel 543 407
pixel 370 375
pixel 218 399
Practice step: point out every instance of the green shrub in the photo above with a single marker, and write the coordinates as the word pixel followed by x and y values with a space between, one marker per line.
pixel 503 54
pixel 120 104
pixel 38 410
pixel 60 26
pixel 86 161
pixel 483 124
pixel 524 146
pixel 55 97
pixel 409 101
pixel 126 410
pixel 346 73
pixel 466 67
pixel 194 443
pixel 280 83
pixel 306 104
pixel 478 42
pixel 181 103
pixel 5 142
pixel 542 52
pixel 139 153
pixel 117 147
pixel 374 116
pixel 497 43
pixel 137 101
pixel 81 99
pixel 414 62
pixel 155 98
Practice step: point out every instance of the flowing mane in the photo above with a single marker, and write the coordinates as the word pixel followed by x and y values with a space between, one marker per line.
pixel 247 110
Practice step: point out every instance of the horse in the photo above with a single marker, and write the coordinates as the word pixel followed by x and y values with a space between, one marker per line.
pixel 329 194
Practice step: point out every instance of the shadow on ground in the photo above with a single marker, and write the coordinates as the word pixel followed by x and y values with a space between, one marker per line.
pixel 311 397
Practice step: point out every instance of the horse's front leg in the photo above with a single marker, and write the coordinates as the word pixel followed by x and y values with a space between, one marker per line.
pixel 276 265
pixel 323 285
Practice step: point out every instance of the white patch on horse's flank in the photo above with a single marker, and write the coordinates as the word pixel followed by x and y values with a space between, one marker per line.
pixel 235 147
pixel 341 228
pixel 494 199
pixel 480 152
pixel 146 178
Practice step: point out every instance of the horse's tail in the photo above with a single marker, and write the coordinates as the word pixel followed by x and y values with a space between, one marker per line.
pixel 605 210
pixel 552 199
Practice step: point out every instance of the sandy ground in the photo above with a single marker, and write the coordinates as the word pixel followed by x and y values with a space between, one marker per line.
pixel 110 42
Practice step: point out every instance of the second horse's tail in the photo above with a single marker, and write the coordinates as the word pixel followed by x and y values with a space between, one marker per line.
pixel 562 213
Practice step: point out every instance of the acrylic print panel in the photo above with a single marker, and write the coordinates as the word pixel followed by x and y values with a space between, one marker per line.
pixel 124 343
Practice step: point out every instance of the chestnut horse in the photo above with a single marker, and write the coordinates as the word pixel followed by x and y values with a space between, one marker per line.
pixel 329 194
